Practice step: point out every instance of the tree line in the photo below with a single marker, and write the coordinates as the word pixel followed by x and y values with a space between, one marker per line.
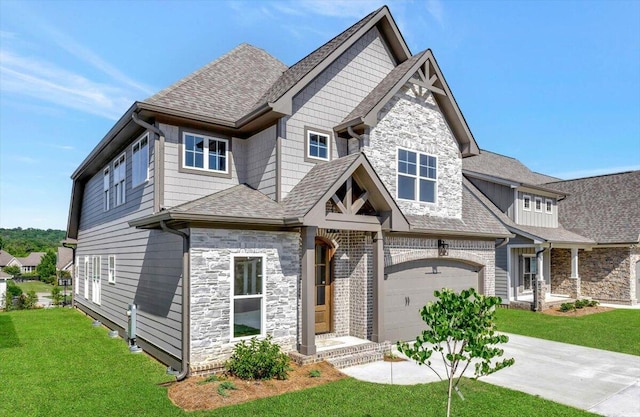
pixel 21 242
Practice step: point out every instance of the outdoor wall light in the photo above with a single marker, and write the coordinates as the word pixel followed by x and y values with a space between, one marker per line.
pixel 443 248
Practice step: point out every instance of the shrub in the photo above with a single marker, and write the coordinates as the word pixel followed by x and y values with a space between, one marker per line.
pixel 581 303
pixel 56 295
pixel 13 289
pixel 314 373
pixel 224 387
pixel 258 359
pixel 564 307
pixel 28 301
pixel 593 303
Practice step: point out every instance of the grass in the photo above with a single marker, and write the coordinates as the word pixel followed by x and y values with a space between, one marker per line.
pixel 54 363
pixel 37 286
pixel 616 330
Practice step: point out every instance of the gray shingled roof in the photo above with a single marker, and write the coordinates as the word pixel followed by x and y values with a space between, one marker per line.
pixel 33 259
pixel 307 193
pixel 381 90
pixel 605 208
pixel 227 88
pixel 5 257
pixel 298 70
pixel 550 234
pixel 475 218
pixel 505 167
pixel 240 201
pixel 64 257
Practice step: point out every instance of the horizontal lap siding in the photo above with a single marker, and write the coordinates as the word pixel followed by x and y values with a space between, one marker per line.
pixel 148 263
pixel 260 157
pixel 328 99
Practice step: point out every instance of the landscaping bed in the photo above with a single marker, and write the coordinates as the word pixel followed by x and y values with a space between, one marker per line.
pixel 585 311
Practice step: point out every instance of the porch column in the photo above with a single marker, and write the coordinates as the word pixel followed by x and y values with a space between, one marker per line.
pixel 575 276
pixel 378 288
pixel 540 293
pixel 307 292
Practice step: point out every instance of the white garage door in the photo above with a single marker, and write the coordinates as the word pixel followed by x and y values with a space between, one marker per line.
pixel 410 285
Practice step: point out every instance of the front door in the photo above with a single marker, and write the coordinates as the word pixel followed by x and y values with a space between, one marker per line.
pixel 324 285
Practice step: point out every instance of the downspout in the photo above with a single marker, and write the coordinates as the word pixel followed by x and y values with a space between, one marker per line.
pixel 504 242
pixel 158 192
pixel 186 334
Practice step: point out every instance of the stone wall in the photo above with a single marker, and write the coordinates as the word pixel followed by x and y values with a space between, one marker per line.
pixel 412 120
pixel 605 273
pixel 211 251
pixel 634 262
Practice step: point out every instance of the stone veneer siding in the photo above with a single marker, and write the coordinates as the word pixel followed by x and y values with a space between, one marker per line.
pixel 211 251
pixel 606 274
pixel 415 122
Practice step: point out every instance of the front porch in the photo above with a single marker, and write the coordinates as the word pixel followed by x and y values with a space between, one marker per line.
pixel 343 351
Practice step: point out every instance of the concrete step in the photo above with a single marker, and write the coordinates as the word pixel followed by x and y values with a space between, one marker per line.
pixel 356 359
pixel 347 355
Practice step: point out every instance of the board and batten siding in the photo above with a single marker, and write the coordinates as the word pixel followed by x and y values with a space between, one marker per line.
pixel 328 99
pixel 148 263
pixel 536 218
pixel 501 195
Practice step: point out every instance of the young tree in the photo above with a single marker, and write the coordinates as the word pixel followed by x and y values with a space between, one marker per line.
pixel 13 270
pixel 47 267
pixel 461 328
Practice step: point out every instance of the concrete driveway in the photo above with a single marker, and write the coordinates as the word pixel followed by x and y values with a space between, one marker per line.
pixel 603 382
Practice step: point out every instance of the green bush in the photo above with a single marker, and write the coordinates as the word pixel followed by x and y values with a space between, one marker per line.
pixel 56 295
pixel 564 307
pixel 258 359
pixel 28 301
pixel 314 373
pixel 224 386
pixel 581 303
pixel 593 303
pixel 13 289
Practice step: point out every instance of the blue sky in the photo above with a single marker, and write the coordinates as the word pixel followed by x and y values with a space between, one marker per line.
pixel 555 84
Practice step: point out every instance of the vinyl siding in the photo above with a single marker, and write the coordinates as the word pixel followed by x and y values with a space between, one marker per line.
pixel 328 99
pixel 148 263
pixel 501 195
pixel 260 161
pixel 502 288
pixel 533 217
pixel 181 187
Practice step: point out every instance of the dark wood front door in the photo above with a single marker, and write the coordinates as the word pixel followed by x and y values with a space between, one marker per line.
pixel 324 286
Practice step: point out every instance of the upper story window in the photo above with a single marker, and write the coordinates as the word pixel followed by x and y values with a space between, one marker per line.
pixel 140 161
pixel 417 175
pixel 120 179
pixel 106 188
pixel 526 202
pixel 538 204
pixel 318 145
pixel 205 153
pixel 548 206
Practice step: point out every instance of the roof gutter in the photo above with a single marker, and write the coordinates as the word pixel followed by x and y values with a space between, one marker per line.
pixel 186 290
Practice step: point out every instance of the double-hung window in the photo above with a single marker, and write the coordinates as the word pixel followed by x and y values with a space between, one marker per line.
pixel 86 277
pixel 205 153
pixel 548 206
pixel 140 161
pixel 247 304
pixel 106 188
pixel 111 269
pixel 95 279
pixel 120 179
pixel 318 145
pixel 526 202
pixel 538 204
pixel 417 175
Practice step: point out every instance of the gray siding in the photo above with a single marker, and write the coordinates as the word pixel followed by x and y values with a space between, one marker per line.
pixel 501 195
pixel 328 99
pixel 181 187
pixel 148 263
pixel 260 161
pixel 502 288
pixel 536 218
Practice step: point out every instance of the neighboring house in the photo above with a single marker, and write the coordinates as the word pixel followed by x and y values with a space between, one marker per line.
pixel 30 262
pixel 311 202
pixel 560 231
pixel 64 259
pixel 6 259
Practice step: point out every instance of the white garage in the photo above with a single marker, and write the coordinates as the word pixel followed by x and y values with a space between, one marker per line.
pixel 410 285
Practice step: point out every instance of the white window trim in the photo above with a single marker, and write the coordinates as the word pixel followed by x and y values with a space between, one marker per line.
pixel 263 304
pixel 524 206
pixel 308 139
pixel 417 177
pixel 133 160
pixel 76 276
pixel 106 186
pixel 87 264
pixel 111 272
pixel 548 208
pixel 206 153
pixel 96 279
pixel 535 204
pixel 121 160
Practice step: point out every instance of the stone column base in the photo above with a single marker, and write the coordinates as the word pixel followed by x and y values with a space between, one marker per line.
pixel 540 296
pixel 574 290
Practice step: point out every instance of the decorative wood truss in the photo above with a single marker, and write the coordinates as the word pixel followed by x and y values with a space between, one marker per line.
pixel 351 199
pixel 426 77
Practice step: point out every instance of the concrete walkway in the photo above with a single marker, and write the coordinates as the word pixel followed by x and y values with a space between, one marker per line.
pixel 607 383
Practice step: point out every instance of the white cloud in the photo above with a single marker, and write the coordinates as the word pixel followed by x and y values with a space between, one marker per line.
pixel 436 10
pixel 48 82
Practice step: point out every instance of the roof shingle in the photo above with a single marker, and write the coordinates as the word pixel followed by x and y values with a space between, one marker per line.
pixel 504 167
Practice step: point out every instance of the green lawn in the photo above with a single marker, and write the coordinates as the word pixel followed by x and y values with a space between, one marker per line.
pixel 617 330
pixel 37 286
pixel 54 363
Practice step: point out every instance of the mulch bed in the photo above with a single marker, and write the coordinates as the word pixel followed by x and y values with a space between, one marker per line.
pixel 555 311
pixel 191 394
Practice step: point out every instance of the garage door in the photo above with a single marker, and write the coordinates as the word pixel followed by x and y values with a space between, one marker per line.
pixel 410 285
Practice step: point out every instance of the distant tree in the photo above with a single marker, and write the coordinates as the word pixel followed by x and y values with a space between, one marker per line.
pixel 12 270
pixel 47 267
pixel 20 242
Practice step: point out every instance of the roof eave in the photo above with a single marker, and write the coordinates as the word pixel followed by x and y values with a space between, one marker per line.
pixel 153 221
pixel 459 233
